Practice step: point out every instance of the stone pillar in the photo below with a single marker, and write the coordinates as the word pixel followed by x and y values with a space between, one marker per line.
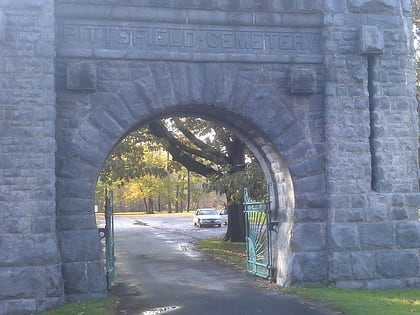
pixel 30 263
pixel 372 140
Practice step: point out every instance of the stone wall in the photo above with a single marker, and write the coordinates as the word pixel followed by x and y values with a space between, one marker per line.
pixel 30 263
pixel 322 91
pixel 372 140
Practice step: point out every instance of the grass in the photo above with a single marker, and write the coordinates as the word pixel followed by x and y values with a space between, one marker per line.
pixel 355 302
pixel 231 253
pixel 351 302
pixel 94 307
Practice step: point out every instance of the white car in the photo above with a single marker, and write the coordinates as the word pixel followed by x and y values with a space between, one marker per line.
pixel 207 217
pixel 224 216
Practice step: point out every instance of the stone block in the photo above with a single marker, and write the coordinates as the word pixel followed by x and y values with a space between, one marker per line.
pixel 43 225
pixel 398 214
pixel 22 283
pixel 83 245
pixel 83 278
pixel 397 263
pixel 15 225
pixel 373 6
pixel 345 237
pixel 384 284
pixel 40 249
pixel 11 249
pixel 308 236
pixel 310 200
pixel 49 303
pixel 20 307
pixel 413 282
pixel 363 265
pixel 76 222
pixel 309 267
pixel 302 81
pixel 54 282
pixel 81 76
pixel 352 285
pixel 308 167
pixel 2 26
pixel 378 211
pixel 310 215
pixel 408 234
pixel 371 40
pixel 341 268
pixel 376 235
pixel 355 215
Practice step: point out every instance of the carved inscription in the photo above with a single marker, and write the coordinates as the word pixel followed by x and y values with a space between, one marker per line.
pixel 190 39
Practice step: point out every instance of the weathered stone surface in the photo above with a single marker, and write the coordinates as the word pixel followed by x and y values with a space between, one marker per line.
pixel 384 284
pixel 363 265
pixel 22 283
pixel 81 76
pixel 345 237
pixel 408 234
pixel 395 264
pixel 333 130
pixel 371 40
pixel 376 236
pixel 341 268
pixel 84 278
pixel 302 81
pixel 308 237
pixel 2 26
pixel 82 245
pixel 309 267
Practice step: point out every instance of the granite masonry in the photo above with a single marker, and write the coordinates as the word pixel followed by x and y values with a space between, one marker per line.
pixel 321 90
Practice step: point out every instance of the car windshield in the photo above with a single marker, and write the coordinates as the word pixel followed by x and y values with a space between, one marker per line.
pixel 208 212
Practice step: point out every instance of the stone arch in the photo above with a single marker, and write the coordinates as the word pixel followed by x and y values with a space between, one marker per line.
pixel 245 101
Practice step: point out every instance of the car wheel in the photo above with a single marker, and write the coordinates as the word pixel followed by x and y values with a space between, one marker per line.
pixel 219 225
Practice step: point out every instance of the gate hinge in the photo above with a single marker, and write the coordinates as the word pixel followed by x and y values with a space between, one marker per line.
pixel 274 226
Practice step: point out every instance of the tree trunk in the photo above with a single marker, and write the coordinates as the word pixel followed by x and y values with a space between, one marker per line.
pixel 176 199
pixel 145 205
pixel 150 207
pixel 236 222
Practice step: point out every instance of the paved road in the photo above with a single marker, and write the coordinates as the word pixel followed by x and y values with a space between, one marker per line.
pixel 160 272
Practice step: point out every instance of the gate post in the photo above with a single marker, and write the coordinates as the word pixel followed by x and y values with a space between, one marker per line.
pixel 30 262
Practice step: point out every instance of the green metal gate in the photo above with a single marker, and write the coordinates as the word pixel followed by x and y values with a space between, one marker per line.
pixel 108 234
pixel 258 239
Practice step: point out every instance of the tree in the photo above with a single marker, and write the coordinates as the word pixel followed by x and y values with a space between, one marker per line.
pixel 132 159
pixel 214 152
pixel 203 148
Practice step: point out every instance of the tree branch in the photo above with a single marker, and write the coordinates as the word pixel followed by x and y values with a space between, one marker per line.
pixel 208 151
pixel 176 149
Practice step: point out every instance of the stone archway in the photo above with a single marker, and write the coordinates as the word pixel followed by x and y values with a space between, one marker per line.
pixel 123 105
pixel 328 86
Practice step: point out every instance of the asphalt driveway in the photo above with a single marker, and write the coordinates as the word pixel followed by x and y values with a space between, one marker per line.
pixel 160 272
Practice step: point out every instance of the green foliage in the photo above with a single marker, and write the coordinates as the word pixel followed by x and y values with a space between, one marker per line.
pixel 227 252
pixel 134 157
pixel 351 302
pixel 214 146
pixel 94 307
pixel 151 164
pixel 251 177
pixel 361 302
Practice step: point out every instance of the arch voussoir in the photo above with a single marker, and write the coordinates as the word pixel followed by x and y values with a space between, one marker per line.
pixel 163 83
pixel 180 82
pixel 115 106
pixel 150 95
